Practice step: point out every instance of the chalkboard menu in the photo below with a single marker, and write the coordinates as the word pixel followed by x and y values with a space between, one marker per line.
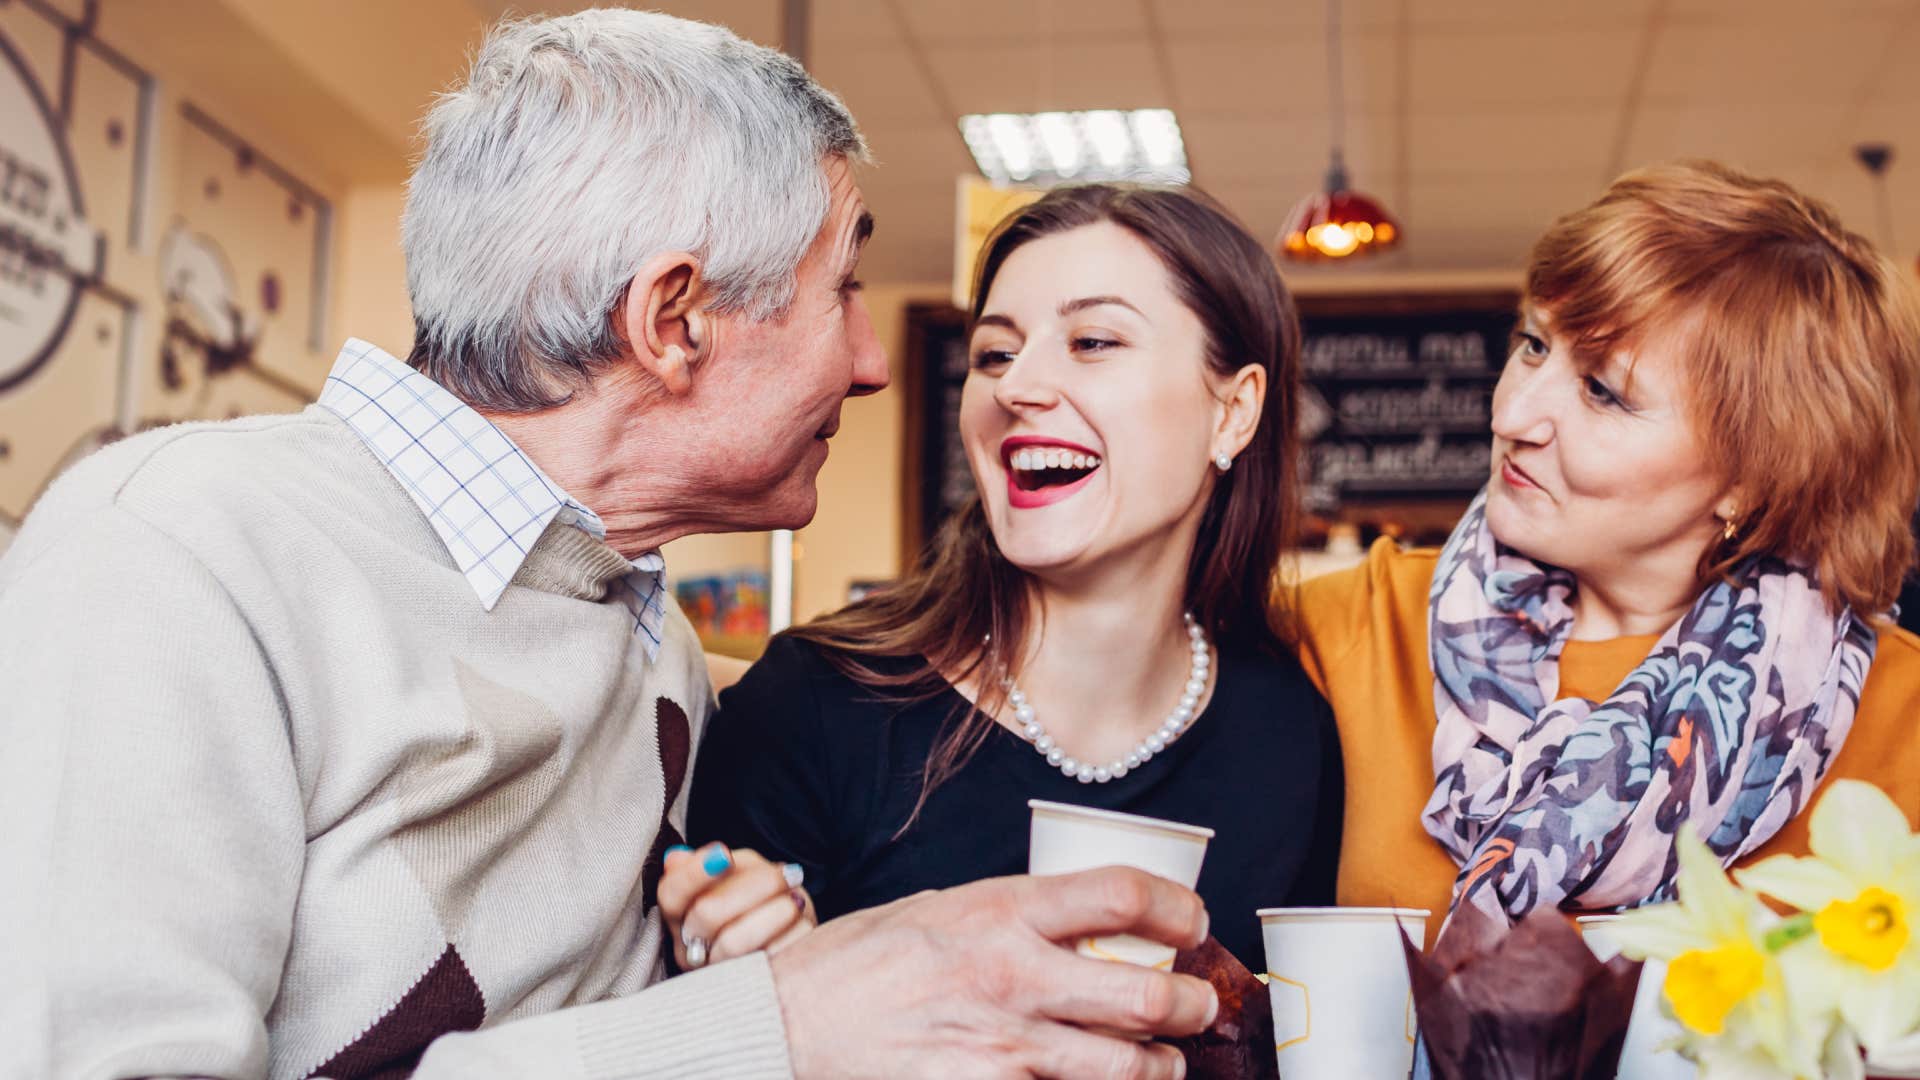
pixel 937 479
pixel 1398 396
pixel 1395 410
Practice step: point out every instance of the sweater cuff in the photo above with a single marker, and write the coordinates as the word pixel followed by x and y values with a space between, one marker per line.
pixel 723 1021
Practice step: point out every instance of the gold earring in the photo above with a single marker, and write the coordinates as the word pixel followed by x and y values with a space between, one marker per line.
pixel 1728 532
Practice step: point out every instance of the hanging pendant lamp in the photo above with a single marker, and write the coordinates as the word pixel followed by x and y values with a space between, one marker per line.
pixel 1336 222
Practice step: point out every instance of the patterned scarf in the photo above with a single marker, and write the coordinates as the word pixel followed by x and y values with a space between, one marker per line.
pixel 1726 727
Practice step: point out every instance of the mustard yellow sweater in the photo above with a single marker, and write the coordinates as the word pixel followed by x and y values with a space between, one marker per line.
pixel 1364 643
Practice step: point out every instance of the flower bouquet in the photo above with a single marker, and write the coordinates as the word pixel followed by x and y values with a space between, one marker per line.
pixel 1799 988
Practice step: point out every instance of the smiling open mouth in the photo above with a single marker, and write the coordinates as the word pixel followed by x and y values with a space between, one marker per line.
pixel 1037 469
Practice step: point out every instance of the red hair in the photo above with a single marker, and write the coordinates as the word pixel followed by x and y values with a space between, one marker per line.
pixel 1801 348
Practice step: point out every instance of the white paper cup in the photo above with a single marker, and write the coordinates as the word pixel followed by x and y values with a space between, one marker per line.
pixel 1648 1027
pixel 1342 1002
pixel 1067 839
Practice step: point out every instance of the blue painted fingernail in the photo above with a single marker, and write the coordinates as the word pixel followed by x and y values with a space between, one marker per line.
pixel 717 861
pixel 678 848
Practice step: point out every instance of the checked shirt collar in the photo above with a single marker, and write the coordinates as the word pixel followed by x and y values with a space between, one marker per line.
pixel 487 501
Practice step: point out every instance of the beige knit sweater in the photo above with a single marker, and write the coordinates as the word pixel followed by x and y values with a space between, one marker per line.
pixel 279 797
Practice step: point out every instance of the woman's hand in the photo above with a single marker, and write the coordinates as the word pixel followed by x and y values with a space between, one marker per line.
pixel 719 905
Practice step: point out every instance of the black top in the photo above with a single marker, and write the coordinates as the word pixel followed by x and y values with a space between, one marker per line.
pixel 804 765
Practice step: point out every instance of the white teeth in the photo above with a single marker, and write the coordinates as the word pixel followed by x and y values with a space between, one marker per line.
pixel 1036 460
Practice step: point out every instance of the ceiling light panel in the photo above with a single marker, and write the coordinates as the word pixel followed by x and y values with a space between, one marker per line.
pixel 1063 147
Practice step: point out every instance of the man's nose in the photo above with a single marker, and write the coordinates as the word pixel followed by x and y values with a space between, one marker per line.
pixel 871 373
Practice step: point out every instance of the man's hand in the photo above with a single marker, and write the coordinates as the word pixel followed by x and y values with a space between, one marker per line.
pixel 981 981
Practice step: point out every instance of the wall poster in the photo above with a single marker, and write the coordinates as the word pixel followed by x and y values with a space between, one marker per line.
pixel 154 266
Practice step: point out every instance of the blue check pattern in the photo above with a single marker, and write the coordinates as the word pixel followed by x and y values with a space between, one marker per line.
pixel 487 501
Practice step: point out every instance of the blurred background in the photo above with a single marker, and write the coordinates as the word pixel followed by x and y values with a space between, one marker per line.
pixel 199 201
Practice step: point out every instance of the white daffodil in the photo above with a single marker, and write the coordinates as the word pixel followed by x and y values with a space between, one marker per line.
pixel 1860 892
pixel 1725 984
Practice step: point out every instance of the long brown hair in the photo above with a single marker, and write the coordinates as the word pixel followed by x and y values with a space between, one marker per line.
pixel 966 610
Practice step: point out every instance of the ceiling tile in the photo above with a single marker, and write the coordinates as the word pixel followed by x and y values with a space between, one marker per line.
pixel 1454 70
pixel 1224 148
pixel 1190 18
pixel 1038 77
pixel 755 20
pixel 1791 11
pixel 1497 203
pixel 1760 138
pixel 1898 80
pixel 1896 125
pixel 879 81
pixel 1262 206
pixel 1571 139
pixel 1526 14
pixel 852 21
pixel 941 22
pixel 1279 73
pixel 1814 61
pixel 934 153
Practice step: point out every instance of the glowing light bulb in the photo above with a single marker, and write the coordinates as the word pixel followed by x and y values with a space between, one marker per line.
pixel 1334 239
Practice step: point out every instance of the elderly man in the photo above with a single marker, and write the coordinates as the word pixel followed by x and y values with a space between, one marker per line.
pixel 349 741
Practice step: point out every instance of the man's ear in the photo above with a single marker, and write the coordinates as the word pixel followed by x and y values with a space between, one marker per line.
pixel 663 318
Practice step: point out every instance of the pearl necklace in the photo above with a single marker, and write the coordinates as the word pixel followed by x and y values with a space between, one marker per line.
pixel 1176 723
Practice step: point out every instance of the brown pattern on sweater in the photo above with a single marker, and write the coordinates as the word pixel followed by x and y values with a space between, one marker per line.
pixel 445 999
pixel 676 750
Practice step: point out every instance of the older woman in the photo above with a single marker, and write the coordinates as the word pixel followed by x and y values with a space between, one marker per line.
pixel 1665 610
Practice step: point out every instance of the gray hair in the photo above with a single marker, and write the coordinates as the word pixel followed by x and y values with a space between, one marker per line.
pixel 580 147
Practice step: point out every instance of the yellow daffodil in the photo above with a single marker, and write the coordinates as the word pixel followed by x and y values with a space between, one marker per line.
pixel 1861 890
pixel 1724 984
pixel 1705 985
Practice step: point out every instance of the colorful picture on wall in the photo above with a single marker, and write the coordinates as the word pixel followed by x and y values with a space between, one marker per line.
pixel 729 610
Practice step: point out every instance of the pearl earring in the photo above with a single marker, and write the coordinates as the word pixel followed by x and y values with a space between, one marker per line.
pixel 1222 462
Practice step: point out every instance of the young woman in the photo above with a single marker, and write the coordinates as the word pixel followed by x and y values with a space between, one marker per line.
pixel 1096 627
pixel 1665 611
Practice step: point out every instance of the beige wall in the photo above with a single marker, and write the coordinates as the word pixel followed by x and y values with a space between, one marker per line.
pixel 373 275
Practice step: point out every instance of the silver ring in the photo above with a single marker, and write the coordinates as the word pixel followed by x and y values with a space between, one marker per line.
pixel 794 874
pixel 696 952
